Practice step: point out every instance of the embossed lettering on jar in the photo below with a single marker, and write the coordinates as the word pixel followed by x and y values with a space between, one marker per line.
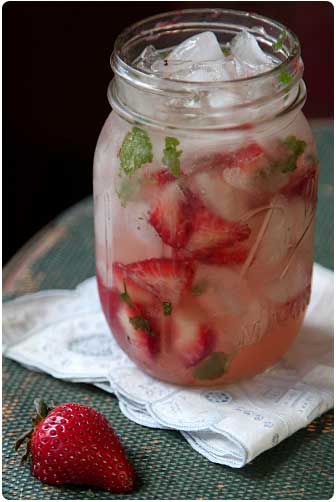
pixel 205 186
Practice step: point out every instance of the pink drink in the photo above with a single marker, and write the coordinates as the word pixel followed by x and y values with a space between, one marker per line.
pixel 204 245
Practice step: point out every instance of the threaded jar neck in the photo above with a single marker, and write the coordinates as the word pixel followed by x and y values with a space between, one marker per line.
pixel 148 98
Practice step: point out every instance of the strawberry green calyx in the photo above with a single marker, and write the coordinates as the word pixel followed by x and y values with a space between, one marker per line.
pixel 41 411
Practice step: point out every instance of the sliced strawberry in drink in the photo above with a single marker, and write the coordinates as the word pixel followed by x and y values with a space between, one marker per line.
pixel 248 156
pixel 162 177
pixel 170 216
pixel 250 170
pixel 210 232
pixel 165 278
pixel 303 184
pixel 294 307
pixel 126 286
pixel 192 340
pixel 139 331
pixel 223 255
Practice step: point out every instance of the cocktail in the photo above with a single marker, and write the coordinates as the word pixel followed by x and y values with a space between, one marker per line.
pixel 205 186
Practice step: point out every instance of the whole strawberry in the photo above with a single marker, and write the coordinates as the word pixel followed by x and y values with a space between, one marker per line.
pixel 74 444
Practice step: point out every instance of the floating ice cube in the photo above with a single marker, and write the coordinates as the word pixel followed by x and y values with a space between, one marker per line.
pixel 204 72
pixel 291 285
pixel 245 48
pixel 220 197
pixel 201 47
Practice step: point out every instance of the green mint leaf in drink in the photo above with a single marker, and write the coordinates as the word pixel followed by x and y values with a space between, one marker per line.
pixel 285 78
pixel 279 42
pixel 171 155
pixel 136 150
pixel 167 308
pixel 125 191
pixel 226 50
pixel 213 366
pixel 295 147
pixel 139 322
pixel 124 296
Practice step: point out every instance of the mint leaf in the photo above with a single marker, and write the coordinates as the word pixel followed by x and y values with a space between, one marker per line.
pixel 167 308
pixel 171 156
pixel 126 191
pixel 213 366
pixel 285 78
pixel 136 150
pixel 295 148
pixel 139 322
pixel 280 40
pixel 226 50
pixel 124 296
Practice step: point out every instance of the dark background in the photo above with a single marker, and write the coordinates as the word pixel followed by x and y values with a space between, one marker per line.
pixel 55 76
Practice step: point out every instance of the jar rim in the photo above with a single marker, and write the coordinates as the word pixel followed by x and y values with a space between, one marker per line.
pixel 159 100
pixel 118 56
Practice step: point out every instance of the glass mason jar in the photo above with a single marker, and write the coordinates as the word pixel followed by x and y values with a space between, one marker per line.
pixel 205 196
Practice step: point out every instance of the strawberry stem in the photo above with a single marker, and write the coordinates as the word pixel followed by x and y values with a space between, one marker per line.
pixel 22 438
pixel 42 410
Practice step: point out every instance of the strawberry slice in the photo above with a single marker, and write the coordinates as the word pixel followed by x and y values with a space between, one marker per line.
pixel 249 169
pixel 192 340
pixel 165 278
pixel 248 156
pixel 294 307
pixel 303 184
pixel 162 177
pixel 223 255
pixel 139 331
pixel 169 216
pixel 126 285
pixel 210 233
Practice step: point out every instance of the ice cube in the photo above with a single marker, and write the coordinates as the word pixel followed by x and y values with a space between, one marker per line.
pixel 245 48
pixel 220 197
pixel 149 59
pixel 204 72
pixel 291 285
pixel 283 232
pixel 222 294
pixel 201 47
pixel 254 324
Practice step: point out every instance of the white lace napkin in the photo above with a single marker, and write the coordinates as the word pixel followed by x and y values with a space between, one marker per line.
pixel 64 334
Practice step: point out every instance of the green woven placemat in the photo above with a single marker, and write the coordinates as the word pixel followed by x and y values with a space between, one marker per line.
pixel 301 467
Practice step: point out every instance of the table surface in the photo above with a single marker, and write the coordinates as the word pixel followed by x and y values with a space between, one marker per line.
pixel 61 256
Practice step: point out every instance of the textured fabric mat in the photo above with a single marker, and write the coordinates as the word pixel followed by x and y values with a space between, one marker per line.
pixel 61 256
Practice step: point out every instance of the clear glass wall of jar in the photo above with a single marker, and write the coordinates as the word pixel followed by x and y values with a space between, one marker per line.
pixel 205 206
